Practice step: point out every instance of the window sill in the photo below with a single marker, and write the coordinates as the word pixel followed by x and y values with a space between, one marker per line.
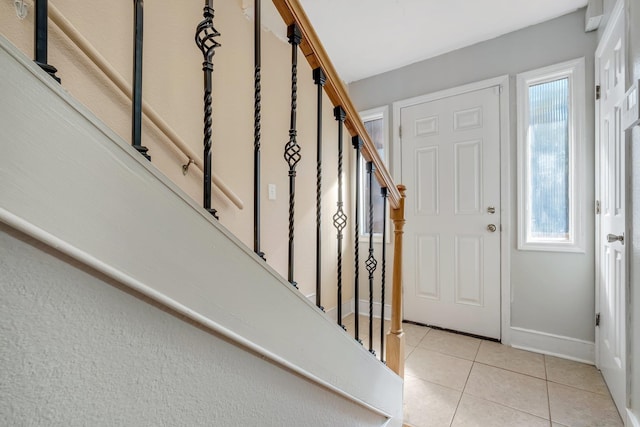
pixel 552 247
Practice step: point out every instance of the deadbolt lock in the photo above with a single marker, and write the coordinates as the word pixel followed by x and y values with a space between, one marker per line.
pixel 491 228
pixel 491 209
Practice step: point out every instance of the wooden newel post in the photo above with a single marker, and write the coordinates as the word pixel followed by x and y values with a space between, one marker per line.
pixel 395 337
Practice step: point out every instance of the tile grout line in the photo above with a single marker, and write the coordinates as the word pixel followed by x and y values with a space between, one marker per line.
pixel 512 371
pixel 436 350
pixel 432 383
pixel 510 407
pixel 546 383
pixel 505 405
pixel 421 339
pixel 475 356
pixel 460 398
pixel 547 366
pixel 584 390
pixel 455 357
pixel 473 362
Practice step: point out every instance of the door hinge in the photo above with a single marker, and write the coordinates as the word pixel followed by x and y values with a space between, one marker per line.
pixel 400 131
pixel 597 92
pixel 597 207
pixel 597 319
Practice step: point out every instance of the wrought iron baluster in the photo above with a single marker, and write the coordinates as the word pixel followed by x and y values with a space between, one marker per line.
pixel 257 98
pixel 292 149
pixel 340 218
pixel 383 194
pixel 205 40
pixel 371 262
pixel 41 38
pixel 136 104
pixel 319 79
pixel 357 144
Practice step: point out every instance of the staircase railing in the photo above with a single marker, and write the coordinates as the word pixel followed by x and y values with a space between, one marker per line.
pixel 178 144
pixel 313 50
pixel 302 37
pixel 293 14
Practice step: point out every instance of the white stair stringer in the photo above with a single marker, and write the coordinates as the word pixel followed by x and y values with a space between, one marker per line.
pixel 72 184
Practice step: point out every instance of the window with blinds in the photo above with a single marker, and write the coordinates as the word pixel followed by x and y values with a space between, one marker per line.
pixel 549 160
pixel 550 120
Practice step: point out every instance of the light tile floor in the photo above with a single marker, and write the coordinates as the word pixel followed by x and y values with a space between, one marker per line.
pixel 458 381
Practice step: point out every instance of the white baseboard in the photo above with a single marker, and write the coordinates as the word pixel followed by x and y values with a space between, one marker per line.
pixel 347 309
pixel 553 345
pixel 363 308
pixel 632 419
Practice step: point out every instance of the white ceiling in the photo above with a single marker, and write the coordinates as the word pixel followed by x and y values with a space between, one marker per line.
pixel 368 37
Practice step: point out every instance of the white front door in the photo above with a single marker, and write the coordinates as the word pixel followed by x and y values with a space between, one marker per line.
pixel 611 265
pixel 451 163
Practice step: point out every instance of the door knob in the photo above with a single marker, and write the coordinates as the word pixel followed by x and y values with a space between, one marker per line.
pixel 491 228
pixel 613 238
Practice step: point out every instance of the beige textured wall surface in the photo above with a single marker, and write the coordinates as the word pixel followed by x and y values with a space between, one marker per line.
pixel 77 349
pixel 173 87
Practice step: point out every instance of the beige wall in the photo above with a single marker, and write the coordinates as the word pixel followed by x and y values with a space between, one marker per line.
pixel 173 87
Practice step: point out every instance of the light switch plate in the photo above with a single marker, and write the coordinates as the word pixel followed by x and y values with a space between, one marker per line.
pixel 630 111
pixel 272 191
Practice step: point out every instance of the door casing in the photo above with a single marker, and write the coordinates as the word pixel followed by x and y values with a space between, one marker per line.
pixel 617 13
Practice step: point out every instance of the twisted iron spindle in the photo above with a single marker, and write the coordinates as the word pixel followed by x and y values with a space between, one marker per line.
pixel 319 79
pixel 257 98
pixel 136 98
pixel 41 38
pixel 383 194
pixel 340 218
pixel 292 149
pixel 357 144
pixel 205 40
pixel 371 262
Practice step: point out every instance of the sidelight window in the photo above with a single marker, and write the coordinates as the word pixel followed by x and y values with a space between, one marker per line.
pixel 375 122
pixel 550 139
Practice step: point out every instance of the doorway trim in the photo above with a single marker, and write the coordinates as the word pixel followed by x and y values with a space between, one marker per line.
pixel 616 17
pixel 505 178
pixel 616 14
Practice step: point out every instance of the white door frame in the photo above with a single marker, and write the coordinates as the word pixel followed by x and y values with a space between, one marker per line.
pixel 505 178
pixel 616 13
